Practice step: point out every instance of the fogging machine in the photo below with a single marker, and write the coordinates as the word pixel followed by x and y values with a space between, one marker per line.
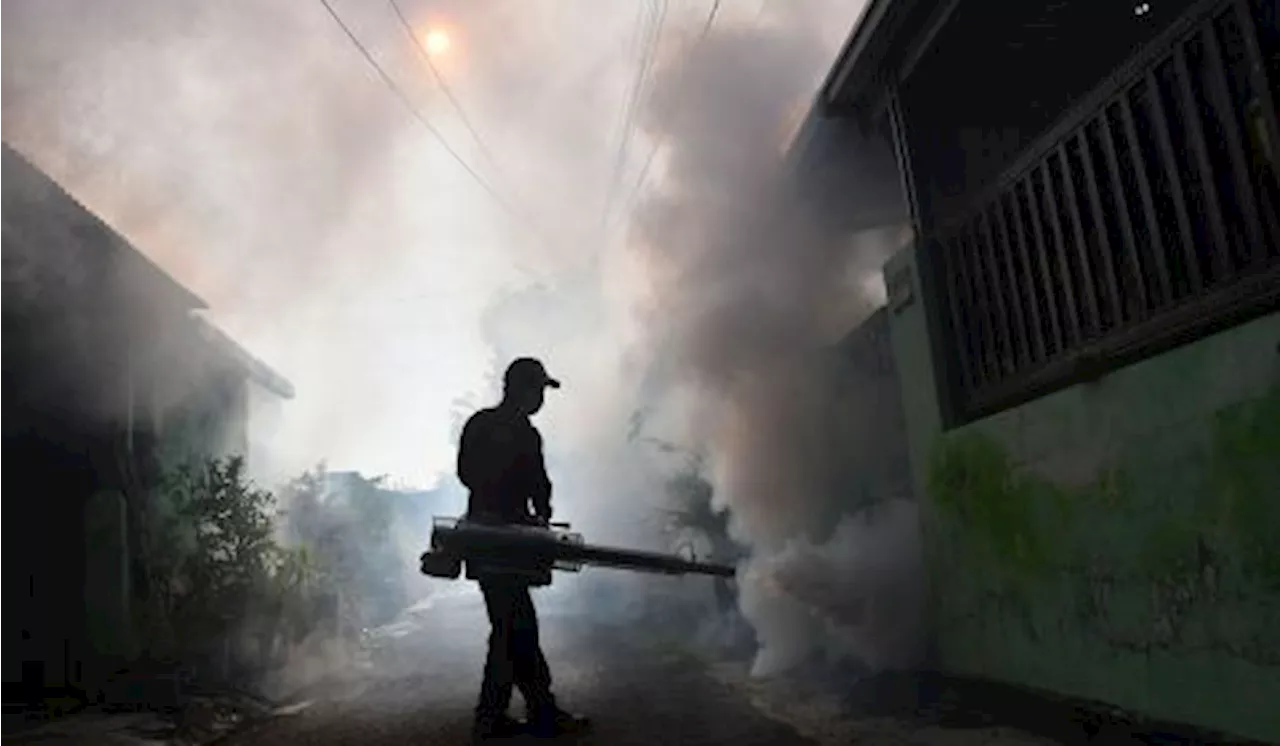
pixel 532 552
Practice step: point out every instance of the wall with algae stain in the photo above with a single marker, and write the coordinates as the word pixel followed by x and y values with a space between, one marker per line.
pixel 1133 557
pixel 1118 540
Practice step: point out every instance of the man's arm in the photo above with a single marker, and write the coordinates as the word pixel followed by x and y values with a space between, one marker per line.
pixel 469 471
pixel 540 487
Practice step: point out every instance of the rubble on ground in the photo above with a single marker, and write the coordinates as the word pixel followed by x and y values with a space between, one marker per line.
pixel 200 719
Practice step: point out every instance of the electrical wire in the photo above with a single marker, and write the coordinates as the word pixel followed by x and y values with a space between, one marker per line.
pixel 445 88
pixel 426 123
pixel 643 178
pixel 631 111
pixel 637 46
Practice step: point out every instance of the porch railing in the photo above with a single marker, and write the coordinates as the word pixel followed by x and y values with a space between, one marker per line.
pixel 1150 219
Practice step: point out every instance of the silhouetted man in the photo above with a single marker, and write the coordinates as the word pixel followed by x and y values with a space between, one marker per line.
pixel 500 461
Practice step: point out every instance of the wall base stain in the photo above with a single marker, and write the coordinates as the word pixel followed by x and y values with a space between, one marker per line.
pixel 1169 556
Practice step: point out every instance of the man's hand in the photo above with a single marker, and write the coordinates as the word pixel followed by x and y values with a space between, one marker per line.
pixel 532 519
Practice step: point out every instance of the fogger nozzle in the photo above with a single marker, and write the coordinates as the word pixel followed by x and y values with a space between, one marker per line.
pixel 533 552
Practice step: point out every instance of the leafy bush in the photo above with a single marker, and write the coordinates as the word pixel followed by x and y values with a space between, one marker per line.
pixel 212 564
pixel 236 586
pixel 346 523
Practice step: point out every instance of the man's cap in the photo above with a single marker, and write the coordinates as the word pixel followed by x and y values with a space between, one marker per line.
pixel 528 372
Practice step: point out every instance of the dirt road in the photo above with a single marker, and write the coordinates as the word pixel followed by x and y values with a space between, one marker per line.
pixel 425 672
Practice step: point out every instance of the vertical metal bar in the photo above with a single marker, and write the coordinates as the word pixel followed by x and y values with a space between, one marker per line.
pixel 949 275
pixel 1077 230
pixel 989 343
pixel 1107 255
pixel 1073 330
pixel 1266 141
pixel 1008 353
pixel 1148 203
pixel 902 153
pixel 1016 238
pixel 1042 259
pixel 1221 95
pixel 1220 252
pixel 1005 246
pixel 968 314
pixel 1028 278
pixel 1169 161
pixel 1126 222
pixel 1258 75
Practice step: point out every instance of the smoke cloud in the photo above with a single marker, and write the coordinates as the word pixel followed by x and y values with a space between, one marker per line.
pixel 252 152
pixel 751 289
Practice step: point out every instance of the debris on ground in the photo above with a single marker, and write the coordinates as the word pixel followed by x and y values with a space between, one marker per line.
pixel 202 719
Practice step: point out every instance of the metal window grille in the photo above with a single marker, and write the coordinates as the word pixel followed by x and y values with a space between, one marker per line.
pixel 1151 220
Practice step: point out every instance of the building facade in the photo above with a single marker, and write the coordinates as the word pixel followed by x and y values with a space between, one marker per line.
pixel 1086 328
pixel 108 378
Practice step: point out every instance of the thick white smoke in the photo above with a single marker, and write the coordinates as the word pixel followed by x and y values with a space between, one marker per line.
pixel 748 286
pixel 253 153
pixel 854 596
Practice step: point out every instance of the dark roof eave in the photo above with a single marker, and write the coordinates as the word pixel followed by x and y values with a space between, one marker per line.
pixel 853 54
pixel 151 273
pixel 258 371
pixel 884 47
pixel 136 264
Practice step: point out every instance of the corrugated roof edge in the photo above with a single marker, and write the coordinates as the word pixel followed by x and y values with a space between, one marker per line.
pixel 257 370
pixel 13 157
pixel 863 29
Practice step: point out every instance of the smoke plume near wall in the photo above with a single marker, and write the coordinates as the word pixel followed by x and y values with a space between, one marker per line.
pixel 747 287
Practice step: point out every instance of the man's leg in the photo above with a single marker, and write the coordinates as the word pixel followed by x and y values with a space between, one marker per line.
pixel 530 669
pixel 533 676
pixel 495 692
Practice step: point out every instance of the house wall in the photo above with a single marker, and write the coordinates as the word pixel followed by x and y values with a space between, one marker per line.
pixel 209 421
pixel 186 394
pixel 101 363
pixel 64 378
pixel 1116 540
pixel 872 465
pixel 265 409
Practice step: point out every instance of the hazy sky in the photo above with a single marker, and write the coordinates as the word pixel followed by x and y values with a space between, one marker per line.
pixel 250 149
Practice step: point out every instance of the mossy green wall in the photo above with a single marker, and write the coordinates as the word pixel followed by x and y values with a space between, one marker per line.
pixel 1118 540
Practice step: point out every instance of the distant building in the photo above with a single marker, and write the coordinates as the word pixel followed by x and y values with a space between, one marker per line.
pixel 108 376
pixel 1085 330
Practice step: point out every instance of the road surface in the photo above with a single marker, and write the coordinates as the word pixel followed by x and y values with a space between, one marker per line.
pixel 425 671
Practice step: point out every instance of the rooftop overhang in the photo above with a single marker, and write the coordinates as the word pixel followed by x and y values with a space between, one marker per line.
pixel 136 275
pixel 257 371
pixel 888 39
pixel 39 215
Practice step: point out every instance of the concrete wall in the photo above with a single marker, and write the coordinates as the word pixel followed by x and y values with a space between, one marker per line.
pixel 265 410
pixel 1117 540
pixel 873 465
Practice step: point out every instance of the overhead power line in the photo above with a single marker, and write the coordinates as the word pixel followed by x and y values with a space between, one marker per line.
pixel 653 151
pixel 444 87
pixel 426 123
pixel 631 109
pixel 711 18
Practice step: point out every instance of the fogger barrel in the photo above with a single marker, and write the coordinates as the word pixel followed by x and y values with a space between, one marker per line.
pixel 534 551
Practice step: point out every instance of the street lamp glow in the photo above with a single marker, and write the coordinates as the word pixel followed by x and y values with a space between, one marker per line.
pixel 436 41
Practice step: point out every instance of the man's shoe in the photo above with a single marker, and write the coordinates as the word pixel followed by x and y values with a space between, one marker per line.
pixel 502 726
pixel 557 722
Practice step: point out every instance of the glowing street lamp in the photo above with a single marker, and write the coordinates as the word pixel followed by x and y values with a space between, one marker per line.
pixel 436 41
